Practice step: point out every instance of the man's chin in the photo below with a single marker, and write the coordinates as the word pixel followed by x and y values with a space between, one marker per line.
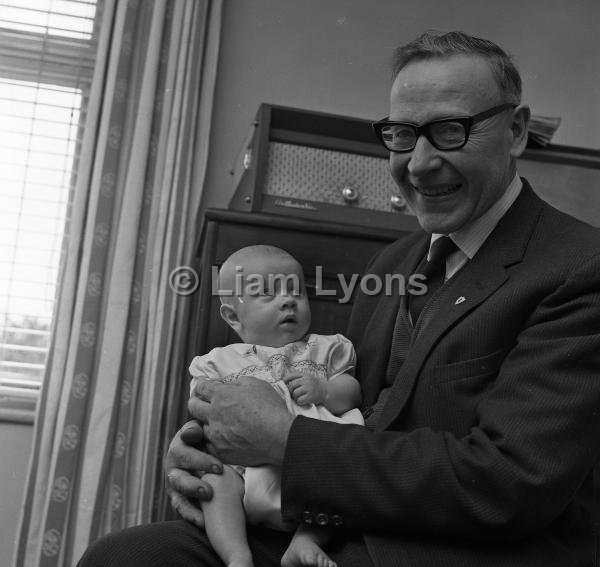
pixel 440 223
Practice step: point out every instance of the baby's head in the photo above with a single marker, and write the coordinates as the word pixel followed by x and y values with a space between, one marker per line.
pixel 267 304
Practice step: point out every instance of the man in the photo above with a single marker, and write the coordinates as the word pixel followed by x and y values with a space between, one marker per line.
pixel 482 405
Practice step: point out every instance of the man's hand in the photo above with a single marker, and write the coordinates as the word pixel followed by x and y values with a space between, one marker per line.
pixel 245 423
pixel 181 462
pixel 306 389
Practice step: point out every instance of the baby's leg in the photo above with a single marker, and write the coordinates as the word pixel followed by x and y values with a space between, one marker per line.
pixel 225 522
pixel 305 548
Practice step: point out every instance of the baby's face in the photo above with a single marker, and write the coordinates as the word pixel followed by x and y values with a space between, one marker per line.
pixel 273 309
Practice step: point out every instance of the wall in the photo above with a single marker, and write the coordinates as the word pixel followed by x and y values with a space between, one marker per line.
pixel 332 56
pixel 15 447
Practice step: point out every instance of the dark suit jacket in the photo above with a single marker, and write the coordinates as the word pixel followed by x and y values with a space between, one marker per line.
pixel 484 452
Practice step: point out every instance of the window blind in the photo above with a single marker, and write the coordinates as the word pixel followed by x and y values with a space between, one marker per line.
pixel 47 56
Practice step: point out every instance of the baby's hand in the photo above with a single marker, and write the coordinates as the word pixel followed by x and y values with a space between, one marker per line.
pixel 306 389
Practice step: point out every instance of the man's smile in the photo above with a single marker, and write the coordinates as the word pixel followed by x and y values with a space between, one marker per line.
pixel 440 190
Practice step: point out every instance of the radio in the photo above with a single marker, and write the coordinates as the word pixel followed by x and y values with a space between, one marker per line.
pixel 319 166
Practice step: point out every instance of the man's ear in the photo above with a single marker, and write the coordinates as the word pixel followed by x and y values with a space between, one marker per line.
pixel 520 129
pixel 230 316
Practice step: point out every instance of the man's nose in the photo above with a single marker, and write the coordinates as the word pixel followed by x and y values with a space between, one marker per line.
pixel 424 159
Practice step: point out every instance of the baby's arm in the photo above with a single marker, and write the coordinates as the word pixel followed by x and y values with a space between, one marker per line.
pixel 338 394
pixel 343 394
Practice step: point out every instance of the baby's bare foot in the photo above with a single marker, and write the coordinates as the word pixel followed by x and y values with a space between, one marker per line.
pixel 304 552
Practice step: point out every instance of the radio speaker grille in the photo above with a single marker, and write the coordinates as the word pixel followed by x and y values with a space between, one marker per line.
pixel 316 174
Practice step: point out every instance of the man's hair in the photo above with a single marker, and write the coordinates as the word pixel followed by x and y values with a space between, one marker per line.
pixel 435 45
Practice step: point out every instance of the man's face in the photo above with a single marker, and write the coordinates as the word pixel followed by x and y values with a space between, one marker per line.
pixel 276 313
pixel 448 189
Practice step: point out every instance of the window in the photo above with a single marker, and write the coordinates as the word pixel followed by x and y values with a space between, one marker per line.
pixel 47 54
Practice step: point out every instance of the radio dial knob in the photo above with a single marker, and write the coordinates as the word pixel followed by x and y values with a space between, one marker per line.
pixel 350 194
pixel 398 202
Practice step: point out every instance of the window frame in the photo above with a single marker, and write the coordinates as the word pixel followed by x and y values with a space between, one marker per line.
pixel 54 60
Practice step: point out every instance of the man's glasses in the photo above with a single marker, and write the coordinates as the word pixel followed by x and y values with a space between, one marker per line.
pixel 446 134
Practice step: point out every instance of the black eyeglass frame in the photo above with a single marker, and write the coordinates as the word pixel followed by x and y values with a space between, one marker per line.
pixel 466 122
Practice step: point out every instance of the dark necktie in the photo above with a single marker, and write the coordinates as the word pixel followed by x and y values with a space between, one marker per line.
pixel 435 271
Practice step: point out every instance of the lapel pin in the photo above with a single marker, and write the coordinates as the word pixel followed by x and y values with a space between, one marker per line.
pixel 460 300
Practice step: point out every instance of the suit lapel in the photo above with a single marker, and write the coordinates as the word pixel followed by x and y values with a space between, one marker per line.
pixel 381 324
pixel 478 279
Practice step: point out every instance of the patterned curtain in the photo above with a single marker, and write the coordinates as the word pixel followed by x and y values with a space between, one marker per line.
pixel 116 373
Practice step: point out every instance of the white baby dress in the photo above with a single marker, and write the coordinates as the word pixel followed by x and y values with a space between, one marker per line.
pixel 325 356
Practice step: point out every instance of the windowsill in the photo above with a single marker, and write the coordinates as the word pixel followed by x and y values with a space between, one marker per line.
pixel 17 406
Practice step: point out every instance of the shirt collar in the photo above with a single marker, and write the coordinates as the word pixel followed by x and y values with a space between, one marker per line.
pixel 470 238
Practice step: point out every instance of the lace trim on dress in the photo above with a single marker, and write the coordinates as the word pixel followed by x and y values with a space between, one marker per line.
pixel 277 366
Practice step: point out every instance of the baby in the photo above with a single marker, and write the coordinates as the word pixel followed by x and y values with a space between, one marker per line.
pixel 267 307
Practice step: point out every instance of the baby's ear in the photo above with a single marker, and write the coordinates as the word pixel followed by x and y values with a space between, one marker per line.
pixel 230 316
